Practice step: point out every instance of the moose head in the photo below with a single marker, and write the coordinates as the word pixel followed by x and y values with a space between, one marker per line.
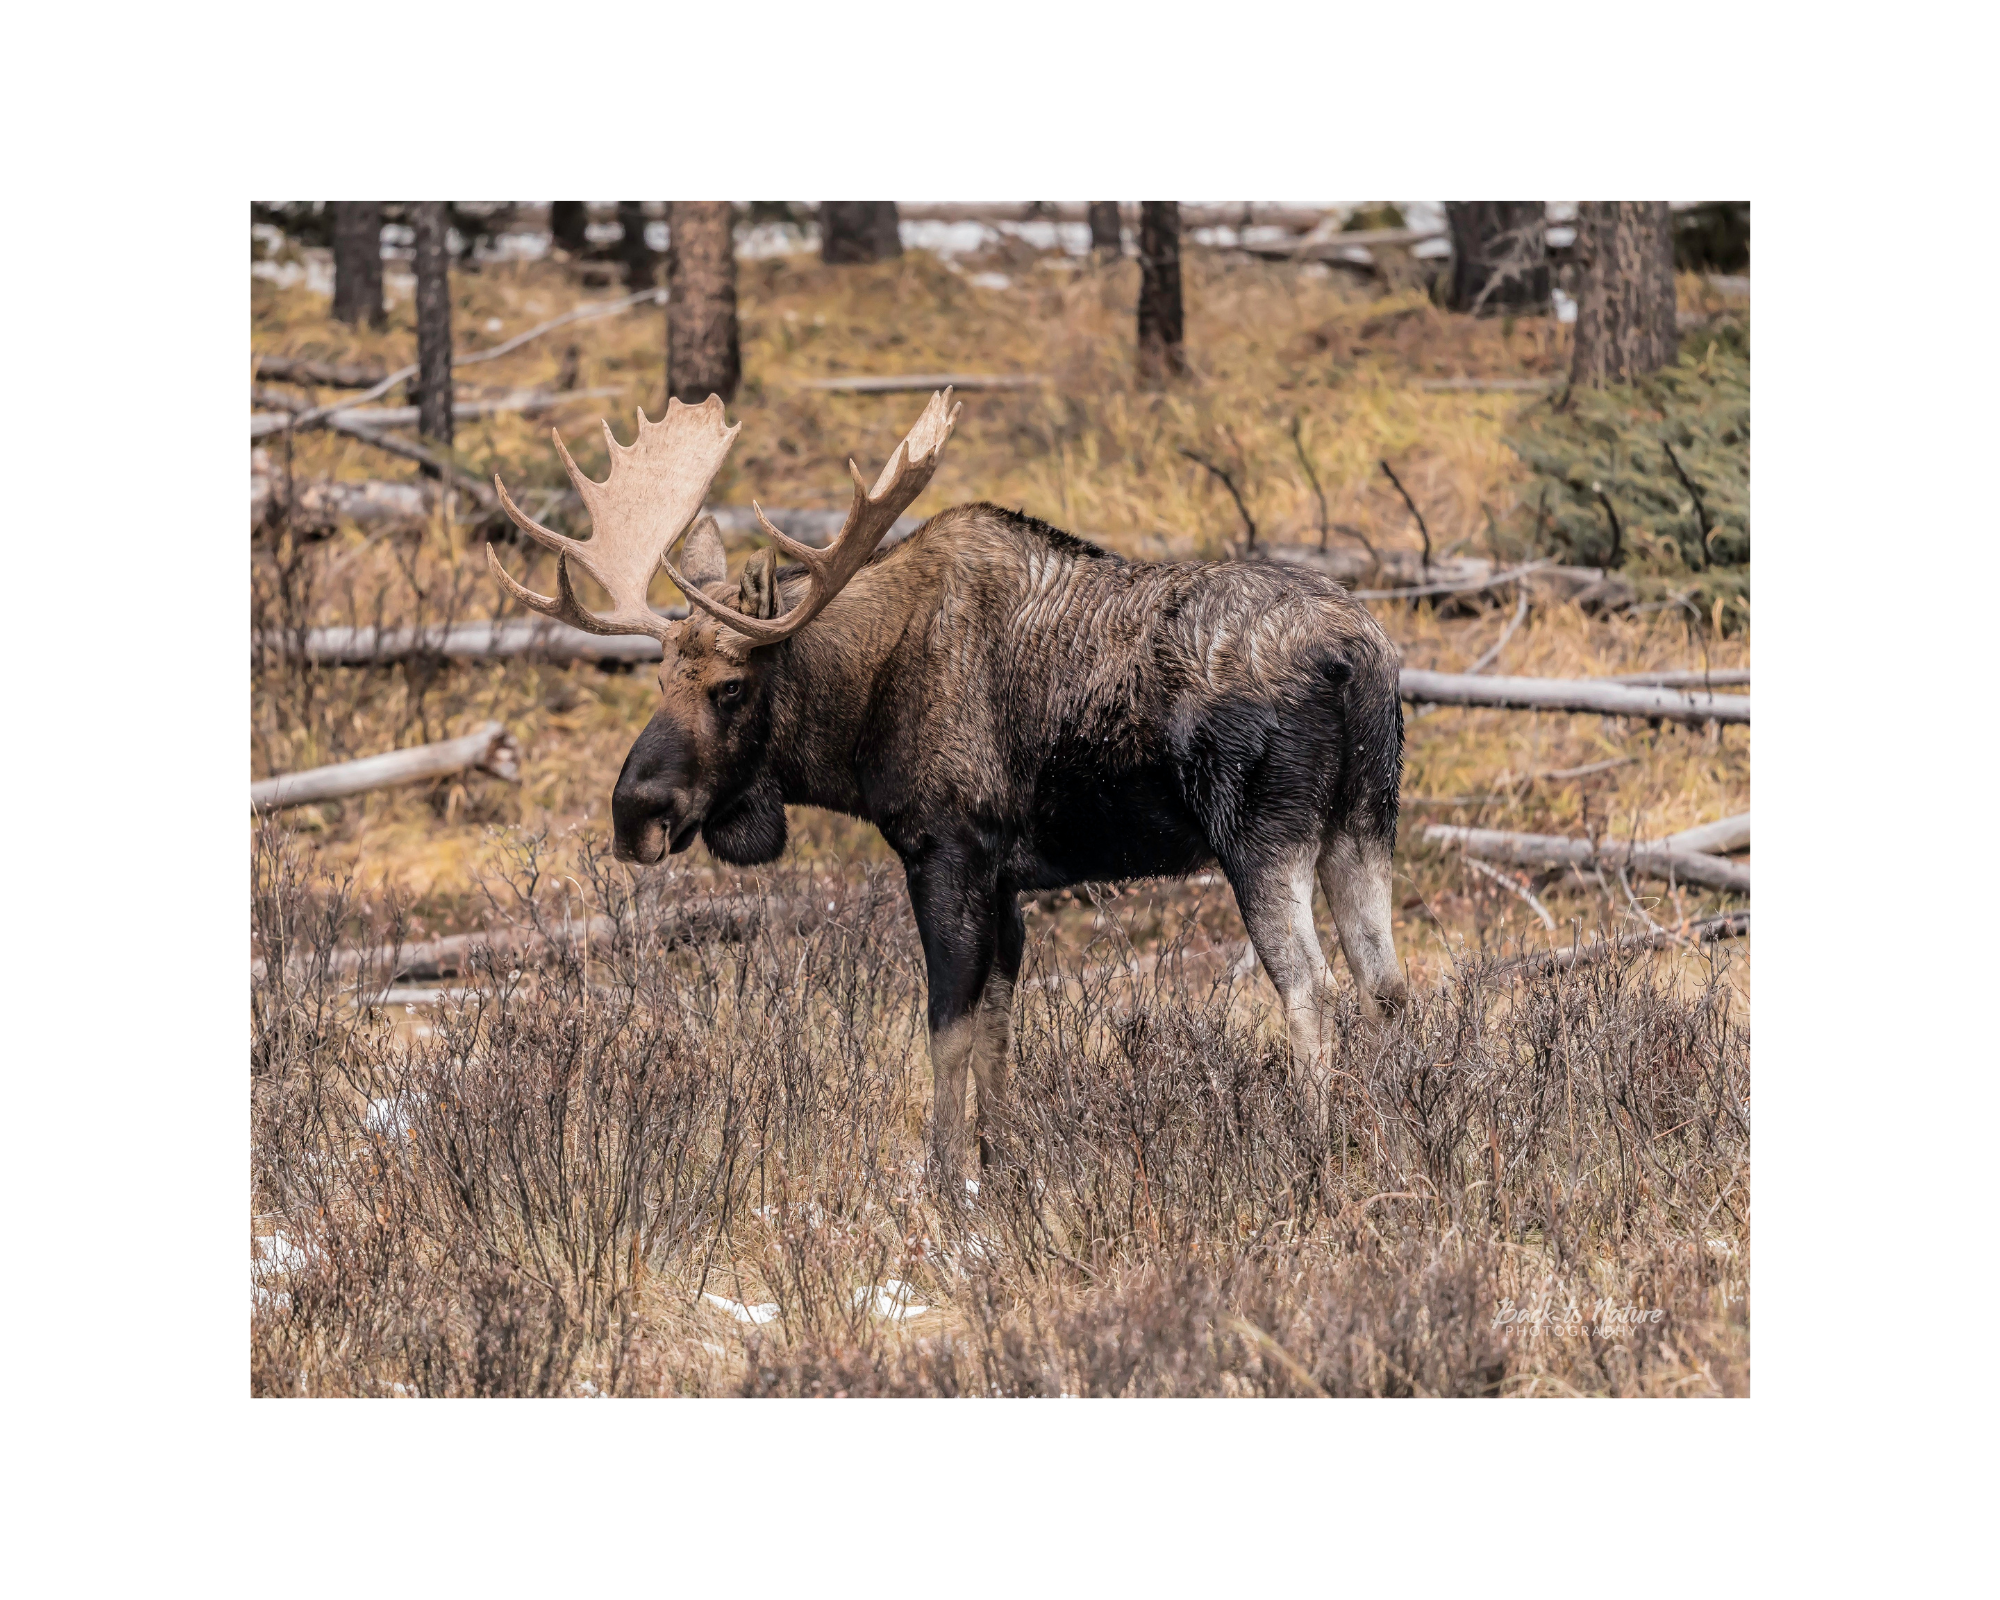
pixel 702 764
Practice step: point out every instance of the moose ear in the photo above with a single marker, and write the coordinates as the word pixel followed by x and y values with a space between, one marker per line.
pixel 757 594
pixel 701 557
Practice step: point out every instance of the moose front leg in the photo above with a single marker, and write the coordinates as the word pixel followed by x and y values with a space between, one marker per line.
pixel 954 892
pixel 995 1032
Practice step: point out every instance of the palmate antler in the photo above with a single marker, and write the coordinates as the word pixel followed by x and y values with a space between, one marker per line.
pixel 656 486
pixel 869 519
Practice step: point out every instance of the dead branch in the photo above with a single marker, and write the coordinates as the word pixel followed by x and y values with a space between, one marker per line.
pixel 1519 890
pixel 1730 925
pixel 526 401
pixel 1555 852
pixel 1229 483
pixel 1423 527
pixel 491 750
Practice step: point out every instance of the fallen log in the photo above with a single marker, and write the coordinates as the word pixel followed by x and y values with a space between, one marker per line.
pixel 491 749
pixel 1730 925
pixel 525 401
pixel 696 920
pixel 508 638
pixel 1553 851
pixel 1714 838
pixel 1572 694
pixel 928 382
pixel 1488 385
pixel 1403 575
pixel 1720 678
pixel 320 374
pixel 372 504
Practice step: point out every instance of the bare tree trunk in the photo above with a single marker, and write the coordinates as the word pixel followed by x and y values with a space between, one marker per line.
pixel 431 219
pixel 703 356
pixel 858 230
pixel 642 271
pixel 1625 312
pixel 357 263
pixel 1499 255
pixel 1105 235
pixel 1160 353
pixel 569 225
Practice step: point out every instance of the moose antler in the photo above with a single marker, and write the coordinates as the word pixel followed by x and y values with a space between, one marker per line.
pixel 869 519
pixel 656 486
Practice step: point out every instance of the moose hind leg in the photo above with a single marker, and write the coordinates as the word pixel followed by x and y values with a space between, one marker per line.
pixel 1276 901
pixel 1355 873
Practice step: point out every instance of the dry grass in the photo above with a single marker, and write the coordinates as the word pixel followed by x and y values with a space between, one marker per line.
pixel 537 1191
pixel 748 1116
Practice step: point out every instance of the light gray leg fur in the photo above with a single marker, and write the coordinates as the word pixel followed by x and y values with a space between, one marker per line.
pixel 1278 911
pixel 1355 875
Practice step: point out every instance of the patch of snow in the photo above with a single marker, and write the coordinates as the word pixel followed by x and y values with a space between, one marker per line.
pixel 890 1299
pixel 741 1312
pixel 990 280
pixel 1565 306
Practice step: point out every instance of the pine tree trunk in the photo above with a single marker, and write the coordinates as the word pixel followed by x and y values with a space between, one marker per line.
pixel 431 219
pixel 1105 237
pixel 858 230
pixel 1160 354
pixel 1625 309
pixel 1499 255
pixel 703 357
pixel 357 263
pixel 569 224
pixel 641 270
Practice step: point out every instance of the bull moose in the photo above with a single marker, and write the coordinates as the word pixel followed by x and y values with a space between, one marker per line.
pixel 1014 708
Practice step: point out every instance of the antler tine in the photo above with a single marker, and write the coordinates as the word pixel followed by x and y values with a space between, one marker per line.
pixel 804 554
pixel 753 628
pixel 528 525
pixel 869 519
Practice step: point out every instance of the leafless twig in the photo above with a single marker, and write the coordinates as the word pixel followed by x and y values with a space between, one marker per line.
pixel 1422 526
pixel 1229 483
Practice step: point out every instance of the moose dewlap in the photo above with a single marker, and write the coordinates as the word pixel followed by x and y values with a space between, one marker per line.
pixel 1014 708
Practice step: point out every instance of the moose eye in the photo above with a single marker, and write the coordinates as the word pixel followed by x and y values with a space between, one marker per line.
pixel 729 693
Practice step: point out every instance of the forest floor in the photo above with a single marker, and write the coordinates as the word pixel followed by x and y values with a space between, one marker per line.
pixel 1272 347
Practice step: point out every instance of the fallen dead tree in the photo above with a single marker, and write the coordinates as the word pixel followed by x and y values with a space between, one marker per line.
pixel 1572 694
pixel 1245 214
pixel 319 508
pixel 526 401
pixel 1404 575
pixel 1714 838
pixel 491 750
pixel 1720 678
pixel 319 374
pixel 507 638
pixel 928 382
pixel 1730 925
pixel 1554 852
pixel 698 919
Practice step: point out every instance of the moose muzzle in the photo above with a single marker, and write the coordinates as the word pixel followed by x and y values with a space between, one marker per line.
pixel 652 811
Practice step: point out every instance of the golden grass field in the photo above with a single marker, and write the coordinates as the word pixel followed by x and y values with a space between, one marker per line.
pixel 1092 453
